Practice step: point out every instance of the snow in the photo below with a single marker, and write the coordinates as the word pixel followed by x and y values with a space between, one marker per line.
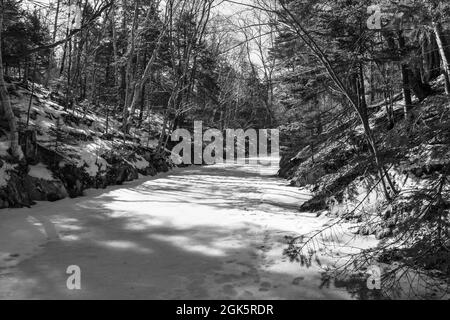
pixel 153 143
pixel 141 163
pixel 4 146
pixel 4 175
pixel 90 158
pixel 40 171
pixel 82 126
pixel 213 232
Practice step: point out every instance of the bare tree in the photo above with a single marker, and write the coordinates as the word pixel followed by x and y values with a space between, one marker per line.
pixel 440 40
pixel 5 107
pixel 291 21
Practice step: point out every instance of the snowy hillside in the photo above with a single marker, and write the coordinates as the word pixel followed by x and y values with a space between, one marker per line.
pixel 69 151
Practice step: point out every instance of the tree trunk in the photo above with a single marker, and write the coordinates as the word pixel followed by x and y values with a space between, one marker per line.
pixel 141 112
pixel 123 68
pixel 421 90
pixel 406 86
pixel 115 52
pixel 51 53
pixel 26 70
pixel 363 112
pixel 443 53
pixel 5 108
pixel 129 74
pixel 139 85
pixel 63 60
pixel 69 71
pixel 79 45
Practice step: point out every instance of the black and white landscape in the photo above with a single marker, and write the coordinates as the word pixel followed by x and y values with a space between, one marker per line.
pixel 224 149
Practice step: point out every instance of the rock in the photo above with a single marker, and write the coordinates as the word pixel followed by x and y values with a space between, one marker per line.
pixel 133 174
pixel 78 187
pixel 70 180
pixel 28 142
pixel 100 182
pixel 314 205
pixel 120 172
pixel 75 179
pixel 287 165
pixel 121 175
pixel 15 193
pixel 149 171
pixel 49 157
pixel 44 190
pixel 162 166
pixel 297 281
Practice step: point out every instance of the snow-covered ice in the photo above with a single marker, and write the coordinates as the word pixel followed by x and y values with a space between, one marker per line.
pixel 40 171
pixel 213 232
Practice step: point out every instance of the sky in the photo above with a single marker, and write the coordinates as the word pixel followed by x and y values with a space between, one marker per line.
pixel 229 8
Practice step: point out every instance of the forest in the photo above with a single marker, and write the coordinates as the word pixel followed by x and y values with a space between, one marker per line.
pixel 91 92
